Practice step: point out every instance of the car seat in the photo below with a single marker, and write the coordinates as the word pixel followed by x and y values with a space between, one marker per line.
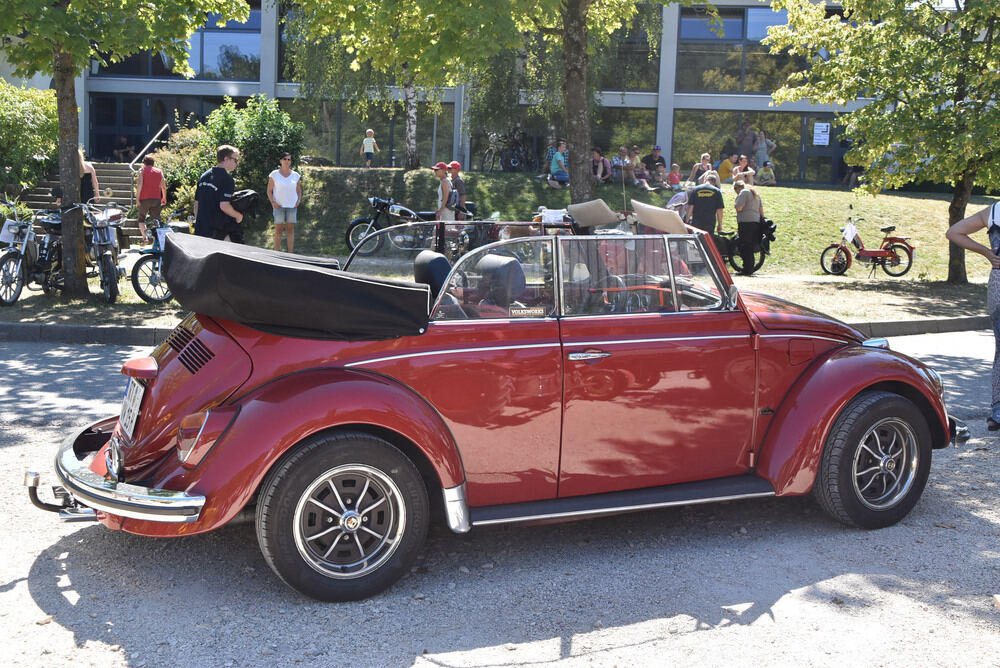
pixel 502 280
pixel 431 269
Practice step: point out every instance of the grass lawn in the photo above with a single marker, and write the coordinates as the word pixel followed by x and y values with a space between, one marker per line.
pixel 808 218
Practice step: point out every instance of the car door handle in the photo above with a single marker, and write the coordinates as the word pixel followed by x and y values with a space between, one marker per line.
pixel 589 355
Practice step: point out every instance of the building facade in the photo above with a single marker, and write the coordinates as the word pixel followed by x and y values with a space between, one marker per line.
pixel 692 98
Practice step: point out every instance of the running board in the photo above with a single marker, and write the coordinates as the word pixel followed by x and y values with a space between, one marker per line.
pixel 578 507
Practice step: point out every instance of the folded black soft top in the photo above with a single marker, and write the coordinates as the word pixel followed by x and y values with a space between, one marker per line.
pixel 292 295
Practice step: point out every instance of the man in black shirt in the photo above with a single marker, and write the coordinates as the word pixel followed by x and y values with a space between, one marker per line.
pixel 653 159
pixel 705 202
pixel 213 211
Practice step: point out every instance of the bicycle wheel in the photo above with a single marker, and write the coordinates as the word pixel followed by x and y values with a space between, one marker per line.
pixel 109 278
pixel 900 262
pixel 147 279
pixel 11 278
pixel 489 159
pixel 835 260
pixel 358 230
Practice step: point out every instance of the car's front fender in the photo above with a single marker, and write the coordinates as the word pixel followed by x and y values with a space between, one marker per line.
pixel 276 416
pixel 792 448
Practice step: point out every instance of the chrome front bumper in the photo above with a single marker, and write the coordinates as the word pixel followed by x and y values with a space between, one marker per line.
pixel 116 498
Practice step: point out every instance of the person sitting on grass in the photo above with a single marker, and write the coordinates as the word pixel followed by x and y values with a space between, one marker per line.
pixel 558 173
pixel 766 177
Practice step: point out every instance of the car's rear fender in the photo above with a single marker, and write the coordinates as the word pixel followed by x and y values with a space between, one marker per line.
pixel 792 447
pixel 276 416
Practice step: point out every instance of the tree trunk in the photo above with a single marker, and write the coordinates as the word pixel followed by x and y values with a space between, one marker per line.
pixel 575 61
pixel 956 212
pixel 412 160
pixel 74 261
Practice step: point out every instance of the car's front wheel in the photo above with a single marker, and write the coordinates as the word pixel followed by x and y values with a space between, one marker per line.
pixel 876 461
pixel 343 517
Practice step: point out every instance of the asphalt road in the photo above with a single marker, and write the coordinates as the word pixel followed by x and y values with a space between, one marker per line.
pixel 770 582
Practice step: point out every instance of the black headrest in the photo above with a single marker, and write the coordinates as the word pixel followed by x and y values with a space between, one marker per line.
pixel 502 279
pixel 431 269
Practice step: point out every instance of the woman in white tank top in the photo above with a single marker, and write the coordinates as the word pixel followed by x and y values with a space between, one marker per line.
pixel 284 189
pixel 958 234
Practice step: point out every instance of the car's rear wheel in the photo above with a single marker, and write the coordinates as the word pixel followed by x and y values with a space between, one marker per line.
pixel 343 517
pixel 876 461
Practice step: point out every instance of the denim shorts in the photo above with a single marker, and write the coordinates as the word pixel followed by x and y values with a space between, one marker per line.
pixel 369 157
pixel 285 214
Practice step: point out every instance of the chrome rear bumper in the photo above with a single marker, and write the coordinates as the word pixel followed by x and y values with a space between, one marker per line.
pixel 89 489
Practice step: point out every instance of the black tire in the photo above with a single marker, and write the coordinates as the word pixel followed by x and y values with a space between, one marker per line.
pixel 834 260
pixel 875 462
pixel 311 489
pixel 358 230
pixel 147 279
pixel 11 278
pixel 109 279
pixel 736 260
pixel 901 261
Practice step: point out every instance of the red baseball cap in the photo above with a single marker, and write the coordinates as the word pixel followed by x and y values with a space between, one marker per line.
pixel 440 165
pixel 455 164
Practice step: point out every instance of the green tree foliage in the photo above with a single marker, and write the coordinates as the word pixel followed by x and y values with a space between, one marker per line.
pixel 28 133
pixel 932 70
pixel 61 37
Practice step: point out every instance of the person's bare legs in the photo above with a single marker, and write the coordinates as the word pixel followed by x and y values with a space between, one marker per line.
pixel 290 236
pixel 277 235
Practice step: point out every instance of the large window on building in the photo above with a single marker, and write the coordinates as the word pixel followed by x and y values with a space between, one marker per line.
pixel 628 63
pixel 230 52
pixel 714 132
pixel 732 59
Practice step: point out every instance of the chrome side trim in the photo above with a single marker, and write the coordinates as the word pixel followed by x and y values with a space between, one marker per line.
pixel 456 509
pixel 119 498
pixel 451 351
pixel 610 510
pixel 876 343
pixel 803 336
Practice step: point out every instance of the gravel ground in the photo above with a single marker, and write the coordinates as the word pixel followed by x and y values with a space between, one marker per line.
pixel 764 582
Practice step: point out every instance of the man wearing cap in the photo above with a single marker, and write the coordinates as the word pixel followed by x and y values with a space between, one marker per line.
pixel 443 191
pixel 454 169
pixel 653 160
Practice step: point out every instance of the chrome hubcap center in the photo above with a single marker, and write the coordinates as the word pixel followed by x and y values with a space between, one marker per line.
pixel 888 464
pixel 350 521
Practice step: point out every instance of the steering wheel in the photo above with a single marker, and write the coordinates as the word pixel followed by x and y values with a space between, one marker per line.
pixel 607 295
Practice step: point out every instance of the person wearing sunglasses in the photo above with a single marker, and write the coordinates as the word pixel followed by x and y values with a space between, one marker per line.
pixel 284 190
pixel 213 211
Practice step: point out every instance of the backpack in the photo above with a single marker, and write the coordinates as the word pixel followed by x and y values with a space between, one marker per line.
pixel 452 202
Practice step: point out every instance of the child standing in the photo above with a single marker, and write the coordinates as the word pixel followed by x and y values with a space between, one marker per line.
pixel 674 177
pixel 369 147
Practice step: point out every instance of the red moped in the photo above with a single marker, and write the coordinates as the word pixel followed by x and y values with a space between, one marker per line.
pixel 894 255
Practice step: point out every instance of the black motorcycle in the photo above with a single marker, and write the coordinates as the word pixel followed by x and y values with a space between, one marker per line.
pixel 26 261
pixel 386 214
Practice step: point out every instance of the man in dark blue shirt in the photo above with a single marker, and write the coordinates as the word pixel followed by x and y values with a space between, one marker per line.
pixel 213 210
pixel 706 205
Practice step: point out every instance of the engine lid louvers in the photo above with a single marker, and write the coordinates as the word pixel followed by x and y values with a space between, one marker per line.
pixel 191 352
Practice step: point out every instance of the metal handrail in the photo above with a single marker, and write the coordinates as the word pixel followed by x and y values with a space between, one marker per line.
pixel 146 148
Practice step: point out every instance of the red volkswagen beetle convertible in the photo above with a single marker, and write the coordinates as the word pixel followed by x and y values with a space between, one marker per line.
pixel 483 373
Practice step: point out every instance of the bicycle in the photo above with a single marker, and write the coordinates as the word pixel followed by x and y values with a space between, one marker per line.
pixel 894 255
pixel 492 152
pixel 147 274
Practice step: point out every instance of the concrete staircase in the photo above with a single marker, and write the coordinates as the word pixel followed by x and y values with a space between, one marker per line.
pixel 116 176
